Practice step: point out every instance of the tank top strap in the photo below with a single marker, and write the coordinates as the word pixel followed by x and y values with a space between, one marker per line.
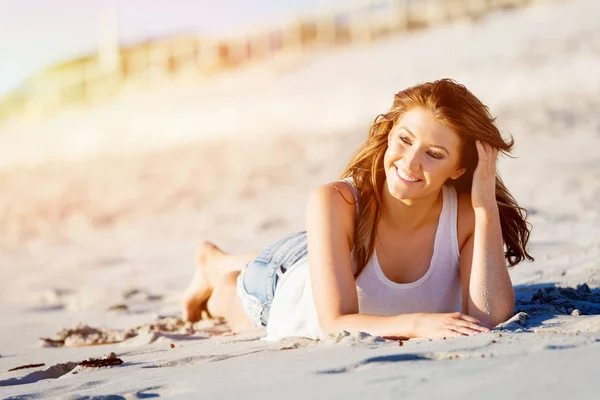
pixel 348 181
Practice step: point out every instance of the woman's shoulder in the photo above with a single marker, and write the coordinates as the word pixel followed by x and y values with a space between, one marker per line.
pixel 465 219
pixel 331 207
pixel 336 194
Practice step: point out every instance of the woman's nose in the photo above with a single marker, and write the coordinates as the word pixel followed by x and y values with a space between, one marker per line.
pixel 412 160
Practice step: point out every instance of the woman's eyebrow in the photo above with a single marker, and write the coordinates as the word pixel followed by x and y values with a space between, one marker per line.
pixel 431 145
pixel 407 130
pixel 440 147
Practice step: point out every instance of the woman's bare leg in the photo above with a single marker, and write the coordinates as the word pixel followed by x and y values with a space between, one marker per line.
pixel 212 265
pixel 225 302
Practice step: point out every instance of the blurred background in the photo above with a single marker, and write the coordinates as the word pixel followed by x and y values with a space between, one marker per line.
pixel 130 130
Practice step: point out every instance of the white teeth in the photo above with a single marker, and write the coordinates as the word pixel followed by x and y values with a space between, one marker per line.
pixel 406 177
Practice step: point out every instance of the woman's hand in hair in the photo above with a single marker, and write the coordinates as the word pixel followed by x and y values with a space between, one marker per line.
pixel 437 326
pixel 483 190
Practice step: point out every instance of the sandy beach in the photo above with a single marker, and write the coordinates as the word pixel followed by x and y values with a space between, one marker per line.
pixel 101 210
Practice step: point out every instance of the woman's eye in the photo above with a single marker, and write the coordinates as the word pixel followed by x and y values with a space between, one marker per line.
pixel 435 155
pixel 405 139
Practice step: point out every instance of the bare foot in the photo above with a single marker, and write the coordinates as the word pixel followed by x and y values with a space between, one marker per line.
pixel 199 291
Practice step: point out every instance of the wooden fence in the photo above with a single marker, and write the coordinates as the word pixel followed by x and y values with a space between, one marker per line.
pixel 147 65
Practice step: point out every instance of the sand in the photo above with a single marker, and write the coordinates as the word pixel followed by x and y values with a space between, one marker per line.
pixel 98 234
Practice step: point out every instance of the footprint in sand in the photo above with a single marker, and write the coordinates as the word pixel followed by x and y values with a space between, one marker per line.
pixel 344 338
pixel 186 361
pixel 192 360
pixel 168 327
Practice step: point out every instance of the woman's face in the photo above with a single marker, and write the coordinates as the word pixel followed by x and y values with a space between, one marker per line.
pixel 422 155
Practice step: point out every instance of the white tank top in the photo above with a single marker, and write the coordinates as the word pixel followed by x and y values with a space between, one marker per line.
pixel 293 311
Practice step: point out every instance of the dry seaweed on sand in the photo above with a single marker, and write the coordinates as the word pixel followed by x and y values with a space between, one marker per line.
pixel 119 307
pixel 26 366
pixel 107 360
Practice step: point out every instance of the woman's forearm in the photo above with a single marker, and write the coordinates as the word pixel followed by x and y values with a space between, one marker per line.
pixel 397 326
pixel 492 297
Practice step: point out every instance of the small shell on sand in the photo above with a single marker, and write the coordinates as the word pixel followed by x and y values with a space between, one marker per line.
pixel 517 321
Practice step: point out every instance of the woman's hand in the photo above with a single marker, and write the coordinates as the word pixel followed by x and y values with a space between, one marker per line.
pixel 436 326
pixel 483 190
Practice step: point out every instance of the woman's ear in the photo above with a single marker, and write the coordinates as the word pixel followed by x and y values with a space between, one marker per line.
pixel 458 173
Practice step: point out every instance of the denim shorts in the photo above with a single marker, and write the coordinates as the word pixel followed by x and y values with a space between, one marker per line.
pixel 257 281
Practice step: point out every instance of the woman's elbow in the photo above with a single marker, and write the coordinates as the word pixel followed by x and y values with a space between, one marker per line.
pixel 329 325
pixel 503 313
pixel 335 323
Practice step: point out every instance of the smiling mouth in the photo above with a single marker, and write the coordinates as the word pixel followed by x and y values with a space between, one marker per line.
pixel 405 177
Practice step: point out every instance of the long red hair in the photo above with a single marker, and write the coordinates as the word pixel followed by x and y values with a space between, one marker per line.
pixel 456 107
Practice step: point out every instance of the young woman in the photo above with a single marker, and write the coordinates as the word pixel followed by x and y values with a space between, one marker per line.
pixel 413 241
